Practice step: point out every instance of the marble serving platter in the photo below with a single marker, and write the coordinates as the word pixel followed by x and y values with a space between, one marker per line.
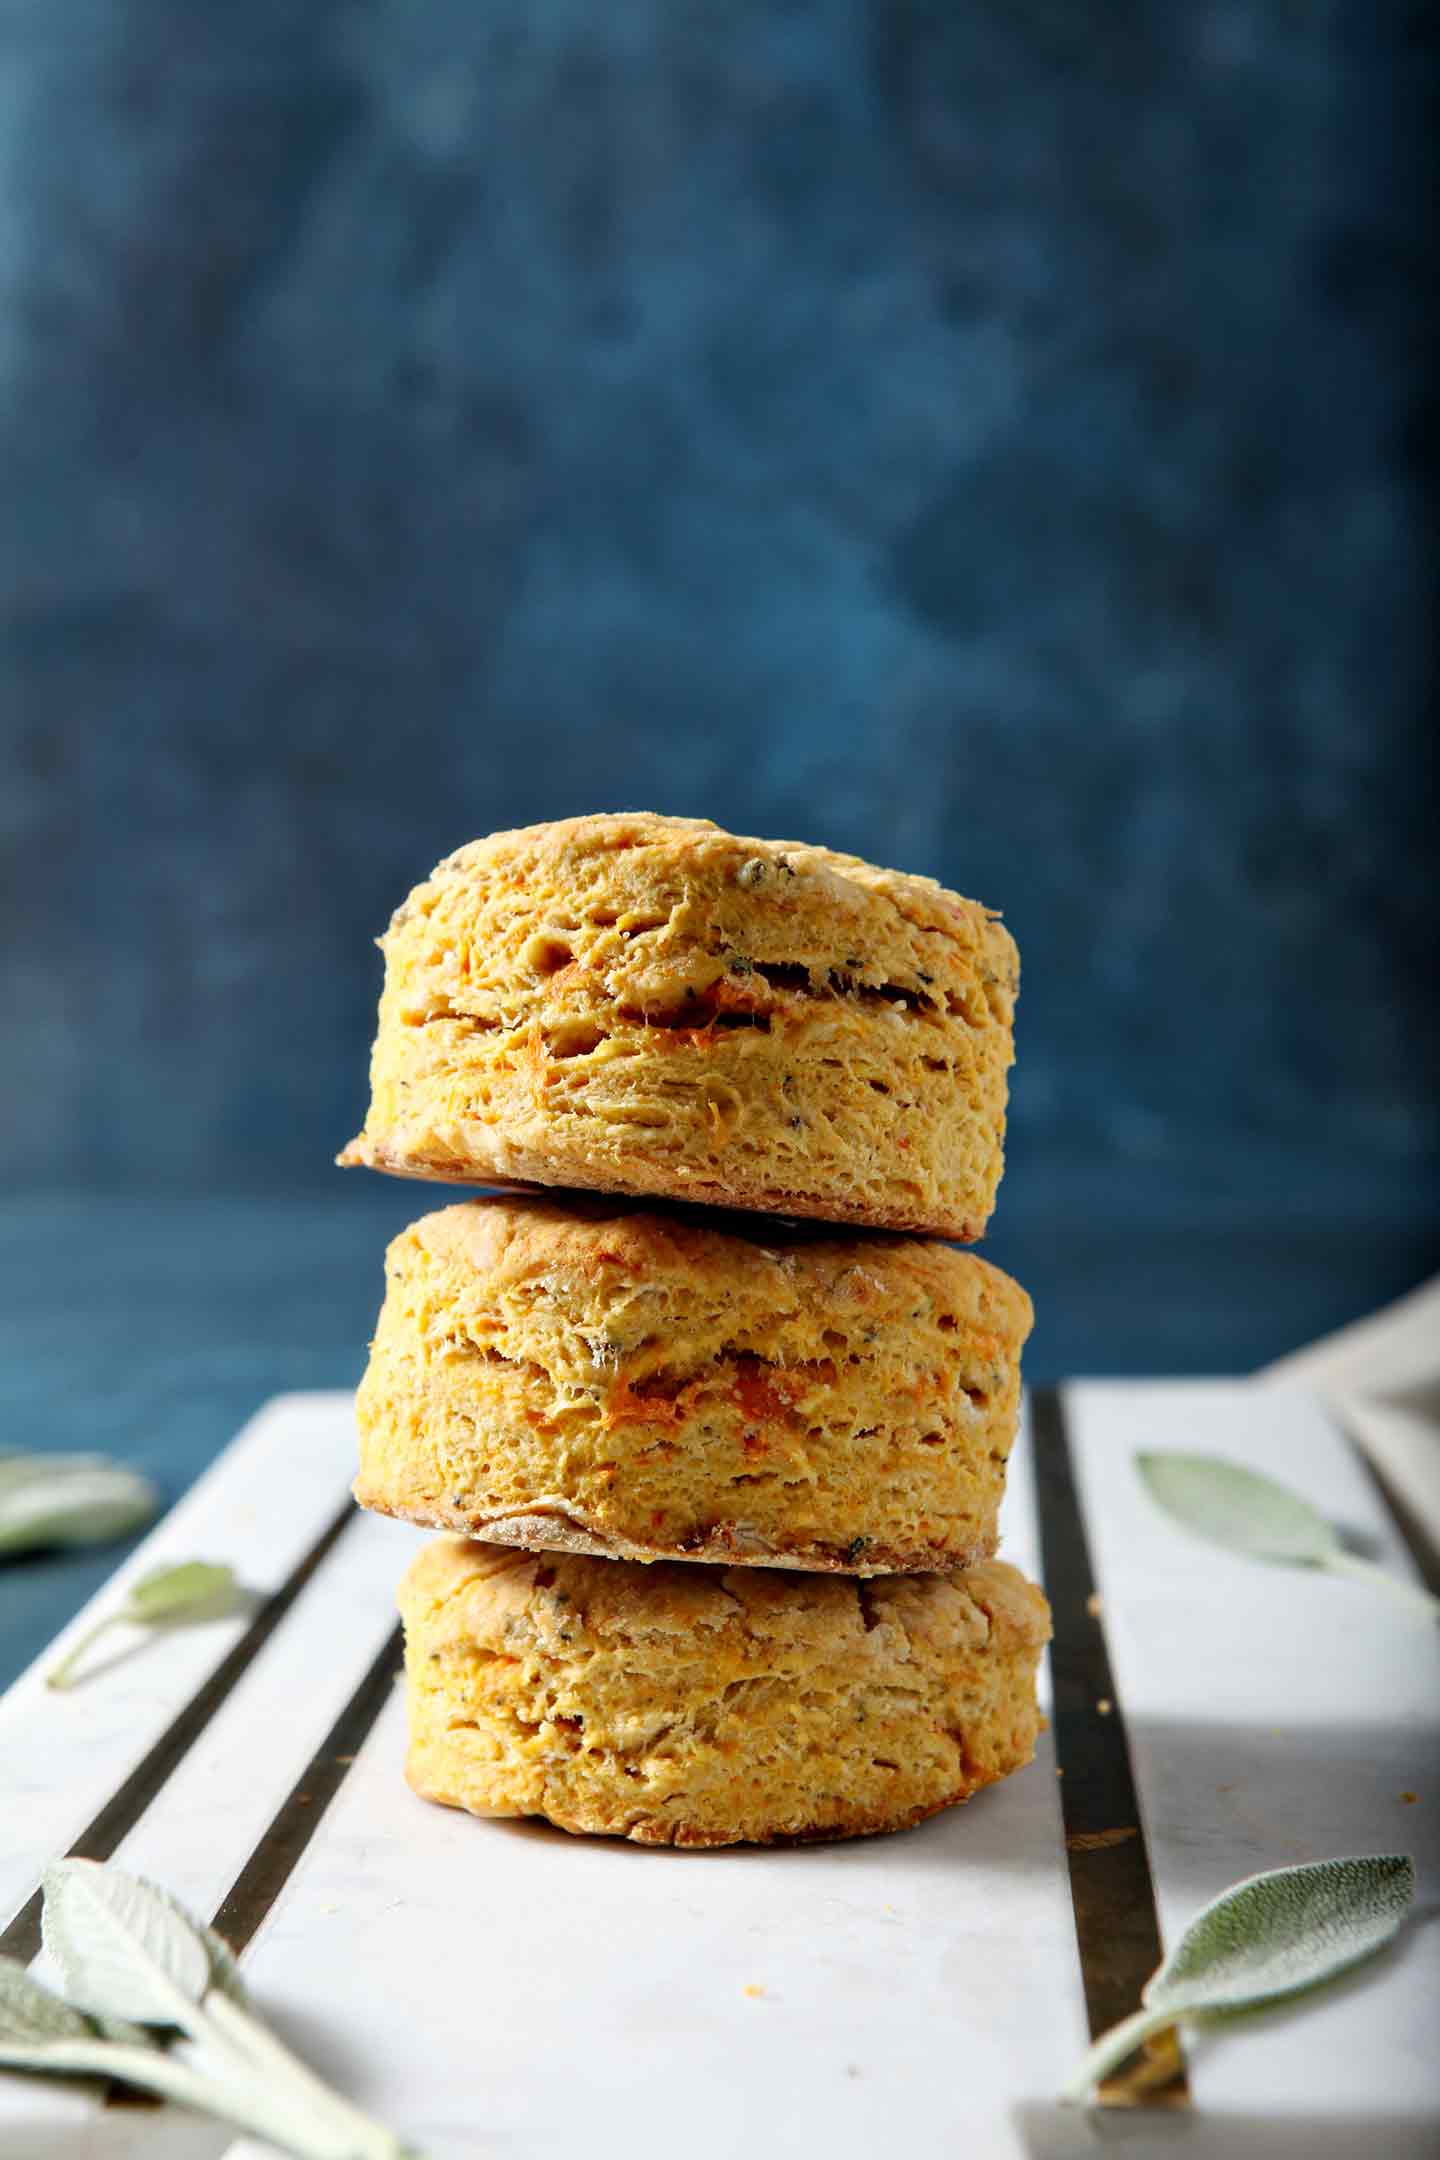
pixel 500 1988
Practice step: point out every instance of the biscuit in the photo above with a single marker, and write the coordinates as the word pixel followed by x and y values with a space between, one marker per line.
pixel 693 1706
pixel 598 1378
pixel 649 1005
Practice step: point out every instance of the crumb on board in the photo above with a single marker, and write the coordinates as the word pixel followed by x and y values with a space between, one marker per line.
pixel 1100 1840
pixel 1104 1706
pixel 1093 1605
pixel 752 1991
pixel 1409 1798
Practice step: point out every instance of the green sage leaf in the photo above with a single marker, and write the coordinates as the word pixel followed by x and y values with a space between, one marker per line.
pixel 19 1466
pixel 1239 1508
pixel 192 1590
pixel 1271 1936
pixel 131 1956
pixel 1278 1933
pixel 237 2096
pixel 48 1500
pixel 174 1596
pixel 30 2015
pixel 124 1950
pixel 123 2032
pixel 224 1966
pixel 1248 1513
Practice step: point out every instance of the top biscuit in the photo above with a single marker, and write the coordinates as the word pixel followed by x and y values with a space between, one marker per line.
pixel 650 1005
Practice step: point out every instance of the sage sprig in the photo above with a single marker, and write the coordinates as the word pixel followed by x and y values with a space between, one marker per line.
pixel 1271 1936
pixel 137 1969
pixel 1231 1505
pixel 50 1500
pixel 177 1596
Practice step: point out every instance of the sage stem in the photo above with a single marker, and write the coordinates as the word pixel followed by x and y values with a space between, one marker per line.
pixel 1111 2049
pixel 1408 1593
pixel 59 1675
pixel 241 2034
pixel 152 2071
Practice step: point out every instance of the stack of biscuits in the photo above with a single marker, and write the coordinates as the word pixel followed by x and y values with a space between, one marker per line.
pixel 717 1419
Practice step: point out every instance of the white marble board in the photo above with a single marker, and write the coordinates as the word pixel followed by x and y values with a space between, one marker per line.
pixel 503 1989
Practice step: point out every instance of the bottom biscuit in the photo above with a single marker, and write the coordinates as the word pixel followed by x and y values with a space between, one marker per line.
pixel 686 1705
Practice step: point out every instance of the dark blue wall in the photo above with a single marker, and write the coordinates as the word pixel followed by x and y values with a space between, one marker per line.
pixel 991 438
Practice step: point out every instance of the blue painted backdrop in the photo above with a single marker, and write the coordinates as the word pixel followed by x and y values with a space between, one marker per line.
pixel 992 438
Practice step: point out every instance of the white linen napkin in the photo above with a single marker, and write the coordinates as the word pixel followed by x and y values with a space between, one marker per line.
pixel 1381 1379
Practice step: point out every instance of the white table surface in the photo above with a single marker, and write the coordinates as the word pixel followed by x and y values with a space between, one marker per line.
pixel 502 1988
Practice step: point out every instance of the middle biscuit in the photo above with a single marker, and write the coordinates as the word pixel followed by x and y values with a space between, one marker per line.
pixel 594 1377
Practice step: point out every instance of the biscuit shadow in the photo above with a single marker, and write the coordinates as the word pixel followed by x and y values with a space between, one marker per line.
pixel 1219 1801
pixel 536 1828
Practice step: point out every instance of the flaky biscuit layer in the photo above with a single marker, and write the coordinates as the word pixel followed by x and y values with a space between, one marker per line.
pixel 679 1705
pixel 590 1376
pixel 653 1006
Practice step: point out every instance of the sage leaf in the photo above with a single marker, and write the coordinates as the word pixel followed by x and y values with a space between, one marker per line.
pixel 122 1949
pixel 48 1500
pixel 1231 1505
pixel 249 2105
pixel 175 1596
pixel 224 1966
pixel 30 2015
pixel 193 1590
pixel 1269 1937
pixel 1275 1934
pixel 123 2032
pixel 20 1466
pixel 130 1955
pixel 1235 1506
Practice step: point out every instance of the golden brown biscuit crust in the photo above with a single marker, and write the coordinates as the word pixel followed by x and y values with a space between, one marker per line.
pixel 681 1705
pixel 595 1377
pixel 653 1006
